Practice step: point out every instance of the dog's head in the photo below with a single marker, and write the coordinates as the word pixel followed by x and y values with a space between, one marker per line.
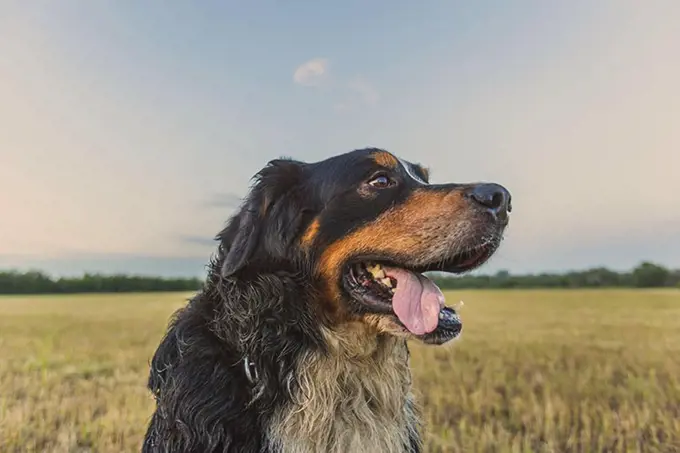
pixel 362 227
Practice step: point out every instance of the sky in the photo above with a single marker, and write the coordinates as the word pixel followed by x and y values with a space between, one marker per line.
pixel 130 130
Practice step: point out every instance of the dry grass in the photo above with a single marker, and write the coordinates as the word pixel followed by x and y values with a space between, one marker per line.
pixel 536 371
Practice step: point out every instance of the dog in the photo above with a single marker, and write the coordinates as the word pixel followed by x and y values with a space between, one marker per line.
pixel 297 341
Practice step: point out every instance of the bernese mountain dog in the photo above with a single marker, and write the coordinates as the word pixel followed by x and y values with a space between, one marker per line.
pixel 297 341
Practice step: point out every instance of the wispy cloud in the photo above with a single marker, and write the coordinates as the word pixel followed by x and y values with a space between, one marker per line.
pixel 312 72
pixel 353 93
pixel 224 200
pixel 198 240
pixel 358 92
pixel 366 92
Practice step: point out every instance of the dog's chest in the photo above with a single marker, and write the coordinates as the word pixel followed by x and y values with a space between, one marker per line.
pixel 349 404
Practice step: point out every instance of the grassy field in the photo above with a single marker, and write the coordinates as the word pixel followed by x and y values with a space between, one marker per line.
pixel 543 371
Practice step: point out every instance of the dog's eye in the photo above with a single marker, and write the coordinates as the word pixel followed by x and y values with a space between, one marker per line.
pixel 380 182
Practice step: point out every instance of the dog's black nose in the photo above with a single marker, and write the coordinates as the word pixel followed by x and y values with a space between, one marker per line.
pixel 494 197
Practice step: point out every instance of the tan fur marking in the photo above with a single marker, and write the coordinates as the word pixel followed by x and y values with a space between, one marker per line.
pixel 419 227
pixel 310 233
pixel 385 159
pixel 351 400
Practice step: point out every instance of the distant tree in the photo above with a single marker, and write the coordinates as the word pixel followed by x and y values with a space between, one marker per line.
pixel 649 275
pixel 502 274
pixel 674 278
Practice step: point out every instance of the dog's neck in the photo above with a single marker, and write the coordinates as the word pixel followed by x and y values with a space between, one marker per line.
pixel 356 398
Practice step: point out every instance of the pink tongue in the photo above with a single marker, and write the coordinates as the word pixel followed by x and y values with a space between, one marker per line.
pixel 417 300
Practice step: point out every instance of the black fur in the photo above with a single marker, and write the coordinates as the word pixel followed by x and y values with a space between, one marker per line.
pixel 205 403
pixel 261 300
pixel 256 303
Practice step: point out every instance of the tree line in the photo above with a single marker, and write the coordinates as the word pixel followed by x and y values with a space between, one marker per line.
pixel 36 282
pixel 645 275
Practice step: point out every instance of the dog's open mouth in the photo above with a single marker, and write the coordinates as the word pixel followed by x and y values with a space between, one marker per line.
pixel 416 301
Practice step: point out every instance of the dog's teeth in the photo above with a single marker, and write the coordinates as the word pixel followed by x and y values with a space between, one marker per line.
pixel 441 315
pixel 387 282
pixel 376 271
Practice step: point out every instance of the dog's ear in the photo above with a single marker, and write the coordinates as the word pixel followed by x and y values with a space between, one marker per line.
pixel 245 229
pixel 268 219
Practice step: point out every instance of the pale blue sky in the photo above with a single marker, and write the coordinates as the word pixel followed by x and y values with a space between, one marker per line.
pixel 128 129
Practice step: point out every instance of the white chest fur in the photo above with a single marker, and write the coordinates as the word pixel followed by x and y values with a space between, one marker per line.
pixel 355 399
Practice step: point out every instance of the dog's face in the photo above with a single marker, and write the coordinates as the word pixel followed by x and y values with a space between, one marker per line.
pixel 362 227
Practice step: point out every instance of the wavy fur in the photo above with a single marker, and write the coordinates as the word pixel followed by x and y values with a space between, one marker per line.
pixel 317 389
pixel 332 369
